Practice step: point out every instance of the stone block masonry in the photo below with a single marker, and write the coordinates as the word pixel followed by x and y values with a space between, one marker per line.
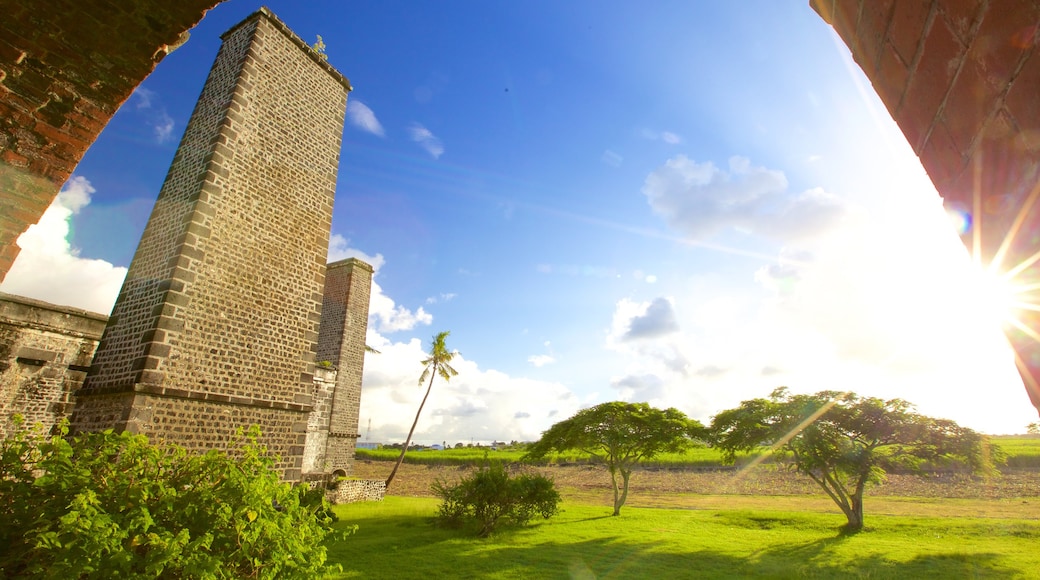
pixel 45 351
pixel 216 326
pixel 333 432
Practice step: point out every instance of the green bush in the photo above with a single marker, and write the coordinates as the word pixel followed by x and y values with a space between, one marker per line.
pixel 490 497
pixel 108 505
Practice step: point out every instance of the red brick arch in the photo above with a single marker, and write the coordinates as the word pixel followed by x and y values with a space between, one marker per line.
pixel 961 78
pixel 65 68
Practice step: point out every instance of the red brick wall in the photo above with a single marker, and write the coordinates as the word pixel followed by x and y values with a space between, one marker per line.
pixel 961 78
pixel 65 68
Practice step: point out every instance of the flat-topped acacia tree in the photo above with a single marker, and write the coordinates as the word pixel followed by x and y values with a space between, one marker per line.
pixel 620 435
pixel 438 362
pixel 844 442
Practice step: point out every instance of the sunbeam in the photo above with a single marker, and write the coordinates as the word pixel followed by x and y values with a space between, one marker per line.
pixel 783 440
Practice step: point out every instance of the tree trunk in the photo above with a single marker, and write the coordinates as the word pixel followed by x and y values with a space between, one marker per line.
pixel 855 514
pixel 617 491
pixel 618 502
pixel 400 458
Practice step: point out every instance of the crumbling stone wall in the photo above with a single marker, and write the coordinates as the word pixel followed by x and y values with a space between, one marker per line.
pixel 217 323
pixel 314 465
pixel 65 68
pixel 45 351
pixel 357 490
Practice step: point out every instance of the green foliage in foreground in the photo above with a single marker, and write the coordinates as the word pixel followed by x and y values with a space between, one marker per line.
pixel 397 539
pixel 490 496
pixel 107 505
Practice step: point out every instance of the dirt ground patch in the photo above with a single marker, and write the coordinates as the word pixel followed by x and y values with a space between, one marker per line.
pixel 585 481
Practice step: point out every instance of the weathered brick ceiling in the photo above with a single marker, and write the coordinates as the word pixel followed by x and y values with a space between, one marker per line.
pixel 962 80
pixel 65 68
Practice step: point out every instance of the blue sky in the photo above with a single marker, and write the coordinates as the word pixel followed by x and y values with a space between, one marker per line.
pixel 687 203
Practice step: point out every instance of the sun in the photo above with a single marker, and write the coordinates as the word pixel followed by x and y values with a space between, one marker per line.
pixel 996 296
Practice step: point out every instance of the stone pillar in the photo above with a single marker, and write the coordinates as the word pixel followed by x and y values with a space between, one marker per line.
pixel 341 346
pixel 216 325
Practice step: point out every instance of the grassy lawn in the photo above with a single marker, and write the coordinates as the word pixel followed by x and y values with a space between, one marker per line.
pixel 749 537
pixel 1022 452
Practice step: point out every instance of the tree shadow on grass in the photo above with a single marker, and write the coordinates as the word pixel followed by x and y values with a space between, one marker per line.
pixel 588 519
pixel 604 558
pixel 444 553
pixel 744 544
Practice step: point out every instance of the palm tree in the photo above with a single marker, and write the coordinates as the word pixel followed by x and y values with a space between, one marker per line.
pixel 437 363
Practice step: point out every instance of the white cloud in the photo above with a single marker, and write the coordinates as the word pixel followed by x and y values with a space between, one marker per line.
pixel 881 306
pixel 149 105
pixel 540 360
pixel 612 159
pixel 667 136
pixel 384 314
pixel 427 140
pixel 163 126
pixel 699 199
pixel 339 249
pixel 48 267
pixel 478 405
pixel 444 297
pixel 144 98
pixel 389 317
pixel 363 118
pixel 647 320
pixel 638 388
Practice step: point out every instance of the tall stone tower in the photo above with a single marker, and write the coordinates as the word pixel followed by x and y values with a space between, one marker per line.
pixel 216 326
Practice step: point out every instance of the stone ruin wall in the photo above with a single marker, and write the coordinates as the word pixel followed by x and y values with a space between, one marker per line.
pixel 45 351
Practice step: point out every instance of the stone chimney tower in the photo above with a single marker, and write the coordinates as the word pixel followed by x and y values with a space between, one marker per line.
pixel 216 326
pixel 333 430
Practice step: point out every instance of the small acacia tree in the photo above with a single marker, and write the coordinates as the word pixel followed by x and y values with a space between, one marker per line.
pixel 844 442
pixel 619 435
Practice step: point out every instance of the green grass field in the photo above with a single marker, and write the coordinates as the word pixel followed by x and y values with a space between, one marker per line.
pixel 698 457
pixel 397 539
pixel 1022 452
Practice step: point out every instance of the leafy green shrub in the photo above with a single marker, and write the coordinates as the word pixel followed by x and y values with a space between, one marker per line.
pixel 108 505
pixel 490 496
